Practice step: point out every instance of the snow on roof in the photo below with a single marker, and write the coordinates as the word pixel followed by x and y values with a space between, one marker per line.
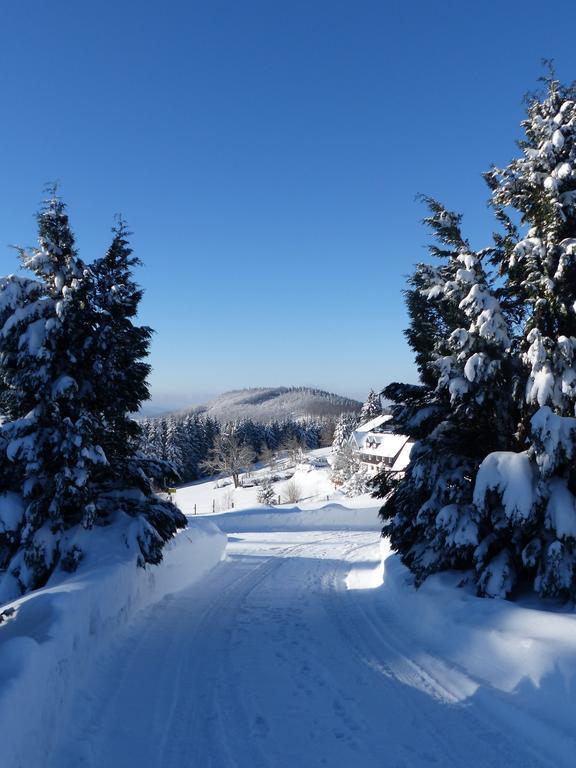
pixel 403 458
pixel 386 445
pixel 373 423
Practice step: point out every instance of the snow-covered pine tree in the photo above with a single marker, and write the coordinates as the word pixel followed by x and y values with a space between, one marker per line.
pixel 175 443
pixel 359 483
pixel 51 437
pixel 460 337
pixel 55 424
pixel 121 384
pixel 192 451
pixel 345 463
pixel 344 427
pixel 534 491
pixel 266 494
pixel 371 408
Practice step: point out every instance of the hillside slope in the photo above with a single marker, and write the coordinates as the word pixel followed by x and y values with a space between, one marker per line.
pixel 276 403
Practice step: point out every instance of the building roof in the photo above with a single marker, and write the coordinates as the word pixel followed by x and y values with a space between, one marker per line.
pixel 382 445
pixel 403 458
pixel 371 425
pixel 386 445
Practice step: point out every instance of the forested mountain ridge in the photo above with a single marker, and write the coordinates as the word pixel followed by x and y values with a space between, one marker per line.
pixel 264 404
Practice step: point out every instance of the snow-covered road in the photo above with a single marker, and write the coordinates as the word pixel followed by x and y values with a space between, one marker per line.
pixel 271 661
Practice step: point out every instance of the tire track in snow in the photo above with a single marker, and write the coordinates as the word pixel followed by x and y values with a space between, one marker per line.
pixel 381 645
pixel 270 662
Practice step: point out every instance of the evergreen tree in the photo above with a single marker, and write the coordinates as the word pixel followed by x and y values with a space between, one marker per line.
pixel 266 493
pixel 51 439
pixel 344 428
pixel 454 415
pixel 491 485
pixel 193 448
pixel 57 360
pixel 358 483
pixel 371 408
pixel 345 465
pixel 540 272
pixel 175 444
pixel 121 384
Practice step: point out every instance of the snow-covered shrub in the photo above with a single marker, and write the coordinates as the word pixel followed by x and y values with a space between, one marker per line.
pixel 266 494
pixel 226 501
pixel 292 492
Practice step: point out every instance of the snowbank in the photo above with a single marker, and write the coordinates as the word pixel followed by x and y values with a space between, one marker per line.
pixel 51 635
pixel 521 653
pixel 329 517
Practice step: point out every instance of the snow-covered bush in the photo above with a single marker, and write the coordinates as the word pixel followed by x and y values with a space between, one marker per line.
pixel 292 492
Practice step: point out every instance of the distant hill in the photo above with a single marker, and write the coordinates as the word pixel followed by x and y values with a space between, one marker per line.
pixel 264 404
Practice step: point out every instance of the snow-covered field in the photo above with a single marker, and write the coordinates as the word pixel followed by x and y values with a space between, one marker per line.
pixel 314 484
pixel 306 645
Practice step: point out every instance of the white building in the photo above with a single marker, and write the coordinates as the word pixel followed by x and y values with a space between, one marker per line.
pixel 378 448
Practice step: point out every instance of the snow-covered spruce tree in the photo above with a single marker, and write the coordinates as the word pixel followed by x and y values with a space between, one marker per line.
pixel 534 491
pixel 51 439
pixel 54 429
pixel 121 348
pixel 344 427
pixel 358 483
pixel 193 448
pixel 371 408
pixel 459 412
pixel 266 493
pixel 345 465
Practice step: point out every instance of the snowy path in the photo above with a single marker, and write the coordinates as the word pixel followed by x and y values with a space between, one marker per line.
pixel 271 662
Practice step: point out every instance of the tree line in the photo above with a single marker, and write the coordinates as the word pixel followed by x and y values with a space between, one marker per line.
pixel 191 442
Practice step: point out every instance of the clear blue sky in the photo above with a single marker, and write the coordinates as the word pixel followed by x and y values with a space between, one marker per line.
pixel 267 156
